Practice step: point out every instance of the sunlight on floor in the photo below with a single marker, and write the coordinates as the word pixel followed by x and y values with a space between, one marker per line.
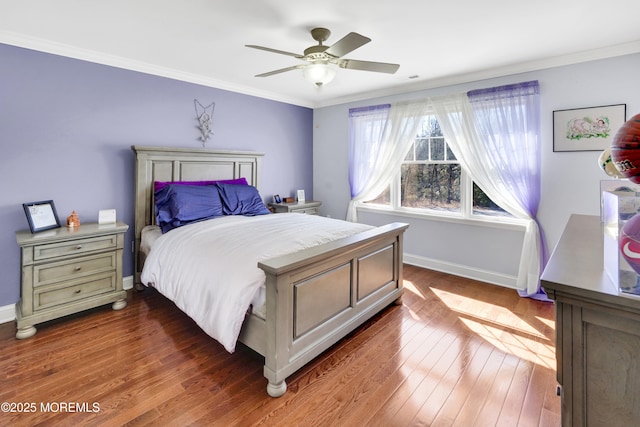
pixel 504 329
pixel 549 322
pixel 412 288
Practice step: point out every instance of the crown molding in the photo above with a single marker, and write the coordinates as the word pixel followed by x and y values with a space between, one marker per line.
pixel 507 70
pixel 61 49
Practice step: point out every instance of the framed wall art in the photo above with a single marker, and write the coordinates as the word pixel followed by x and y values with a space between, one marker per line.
pixel 41 215
pixel 587 129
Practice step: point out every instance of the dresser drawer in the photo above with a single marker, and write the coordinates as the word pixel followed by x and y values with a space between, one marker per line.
pixel 49 296
pixel 308 211
pixel 310 208
pixel 70 269
pixel 75 247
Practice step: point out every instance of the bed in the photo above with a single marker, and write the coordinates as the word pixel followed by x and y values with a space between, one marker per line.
pixel 314 296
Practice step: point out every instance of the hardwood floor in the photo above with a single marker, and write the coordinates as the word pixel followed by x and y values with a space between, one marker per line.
pixel 456 353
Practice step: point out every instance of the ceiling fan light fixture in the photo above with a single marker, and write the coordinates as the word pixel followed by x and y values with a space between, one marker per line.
pixel 319 73
pixel 322 61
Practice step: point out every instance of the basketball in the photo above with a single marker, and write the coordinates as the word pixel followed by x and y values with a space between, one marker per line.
pixel 625 149
pixel 606 164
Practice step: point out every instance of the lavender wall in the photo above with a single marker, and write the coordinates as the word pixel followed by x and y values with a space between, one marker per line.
pixel 66 128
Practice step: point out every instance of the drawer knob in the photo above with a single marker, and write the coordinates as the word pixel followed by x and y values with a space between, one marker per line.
pixel 78 268
pixel 78 291
pixel 79 247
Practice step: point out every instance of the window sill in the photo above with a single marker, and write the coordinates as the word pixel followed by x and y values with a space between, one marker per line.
pixel 479 221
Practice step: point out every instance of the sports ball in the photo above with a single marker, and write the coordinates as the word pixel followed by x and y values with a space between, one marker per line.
pixel 630 242
pixel 606 164
pixel 625 149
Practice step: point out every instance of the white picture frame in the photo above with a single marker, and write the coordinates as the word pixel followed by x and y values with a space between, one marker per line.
pixel 301 198
pixel 107 216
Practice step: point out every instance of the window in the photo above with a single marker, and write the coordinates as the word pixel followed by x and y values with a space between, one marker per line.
pixel 430 174
pixel 431 179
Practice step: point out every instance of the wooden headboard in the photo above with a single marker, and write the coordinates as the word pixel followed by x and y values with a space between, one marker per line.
pixel 184 164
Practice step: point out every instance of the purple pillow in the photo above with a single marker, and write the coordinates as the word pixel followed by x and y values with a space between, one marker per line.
pixel 178 205
pixel 241 200
pixel 159 185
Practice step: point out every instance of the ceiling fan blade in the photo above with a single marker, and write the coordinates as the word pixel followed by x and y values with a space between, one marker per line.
pixel 268 49
pixel 378 67
pixel 282 70
pixel 347 44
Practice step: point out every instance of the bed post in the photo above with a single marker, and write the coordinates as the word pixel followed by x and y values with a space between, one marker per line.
pixel 277 326
pixel 399 267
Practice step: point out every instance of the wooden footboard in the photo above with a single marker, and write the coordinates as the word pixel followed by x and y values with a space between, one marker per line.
pixel 317 296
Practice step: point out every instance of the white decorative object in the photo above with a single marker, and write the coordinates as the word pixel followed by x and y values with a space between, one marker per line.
pixel 300 196
pixel 107 216
pixel 205 119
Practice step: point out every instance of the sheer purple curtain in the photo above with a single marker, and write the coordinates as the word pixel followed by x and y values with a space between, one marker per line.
pixel 507 120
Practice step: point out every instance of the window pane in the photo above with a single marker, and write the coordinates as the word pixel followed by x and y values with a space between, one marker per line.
pixel 450 155
pixel 437 149
pixel 431 186
pixel 483 205
pixel 422 149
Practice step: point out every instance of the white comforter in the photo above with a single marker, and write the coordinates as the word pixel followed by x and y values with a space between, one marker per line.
pixel 209 269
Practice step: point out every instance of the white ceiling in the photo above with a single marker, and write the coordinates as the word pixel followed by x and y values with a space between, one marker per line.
pixel 445 42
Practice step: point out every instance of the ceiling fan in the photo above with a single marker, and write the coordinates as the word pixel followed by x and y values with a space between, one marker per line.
pixel 322 60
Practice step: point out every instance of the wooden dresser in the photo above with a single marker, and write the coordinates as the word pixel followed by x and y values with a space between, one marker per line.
pixel 597 332
pixel 309 207
pixel 65 271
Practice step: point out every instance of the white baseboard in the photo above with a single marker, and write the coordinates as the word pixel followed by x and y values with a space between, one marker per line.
pixel 492 277
pixel 127 282
pixel 8 312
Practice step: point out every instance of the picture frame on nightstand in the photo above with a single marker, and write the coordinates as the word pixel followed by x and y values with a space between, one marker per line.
pixel 301 198
pixel 41 215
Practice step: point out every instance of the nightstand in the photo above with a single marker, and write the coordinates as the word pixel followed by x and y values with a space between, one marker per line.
pixel 309 207
pixel 65 271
